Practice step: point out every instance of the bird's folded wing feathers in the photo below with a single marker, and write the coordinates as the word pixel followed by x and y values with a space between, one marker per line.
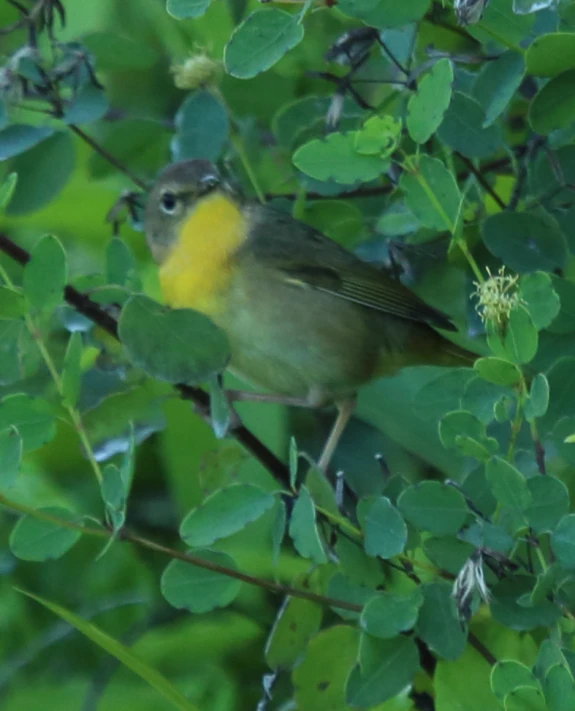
pixel 303 257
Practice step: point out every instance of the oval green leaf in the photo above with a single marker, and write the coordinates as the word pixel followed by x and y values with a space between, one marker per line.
pixel 223 513
pixel 178 346
pixel 198 589
pixel 260 41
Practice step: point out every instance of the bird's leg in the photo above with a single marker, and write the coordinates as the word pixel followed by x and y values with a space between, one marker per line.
pixel 345 410
pixel 248 396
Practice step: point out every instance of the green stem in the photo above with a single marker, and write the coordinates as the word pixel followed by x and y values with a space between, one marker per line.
pixel 243 156
pixel 47 358
pixel 515 428
pixel 541 559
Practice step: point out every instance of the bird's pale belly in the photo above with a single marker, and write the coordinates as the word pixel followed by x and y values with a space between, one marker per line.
pixel 299 342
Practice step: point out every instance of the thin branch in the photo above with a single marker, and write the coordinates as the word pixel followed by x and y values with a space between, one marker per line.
pixel 189 558
pixel 532 150
pixel 108 156
pixel 88 308
pixel 276 588
pixel 26 19
pixel 478 645
pixel 481 179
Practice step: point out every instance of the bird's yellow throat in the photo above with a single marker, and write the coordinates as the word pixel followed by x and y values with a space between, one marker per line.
pixel 198 267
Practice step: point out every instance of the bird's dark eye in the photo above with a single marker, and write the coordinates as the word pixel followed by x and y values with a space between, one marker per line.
pixel 168 202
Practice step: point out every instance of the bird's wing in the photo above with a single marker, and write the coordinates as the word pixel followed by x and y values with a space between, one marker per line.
pixel 303 257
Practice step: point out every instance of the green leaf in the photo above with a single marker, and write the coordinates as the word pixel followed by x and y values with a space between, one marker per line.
pixel 7 189
pixel 481 397
pixel 45 274
pixel 508 675
pixel 526 698
pixel 525 241
pixel 278 529
pixel 384 529
pixel 114 494
pixel 184 9
pixel 544 585
pixel 434 507
pixel 500 25
pixel 198 589
pixel 37 539
pixel 550 502
pixel 121 266
pixel 10 456
pixel 438 625
pixel 114 52
pixel 432 194
pixel 12 303
pixel 497 371
pixel 447 553
pixel 561 377
pixel 519 341
pixel 89 104
pixel 443 393
pixel 563 542
pixel 464 680
pixel 17 138
pixel 335 158
pixel 386 666
pixel 202 128
pixel 340 587
pixel 379 135
pixel 559 688
pixel 549 654
pixel 319 680
pixel 296 120
pixel 508 485
pixel 339 220
pixel 303 529
pixel 541 300
pixel 223 513
pixel 386 615
pixel 140 143
pixel 538 401
pixel 43 171
pixel 260 41
pixel 496 84
pixel 551 54
pixel 122 653
pixel 565 320
pixel 297 622
pixel 462 431
pixel 508 608
pixel 463 129
pixel 71 371
pixel 32 417
pixel 385 13
pixel 428 105
pixel 554 106
pixel 11 334
pixel 179 346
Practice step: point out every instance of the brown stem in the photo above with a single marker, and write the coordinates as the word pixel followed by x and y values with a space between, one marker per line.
pixel 189 558
pixel 276 588
pixel 478 645
pixel 88 308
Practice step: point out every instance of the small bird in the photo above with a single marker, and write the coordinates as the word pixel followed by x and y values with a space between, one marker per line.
pixel 306 320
